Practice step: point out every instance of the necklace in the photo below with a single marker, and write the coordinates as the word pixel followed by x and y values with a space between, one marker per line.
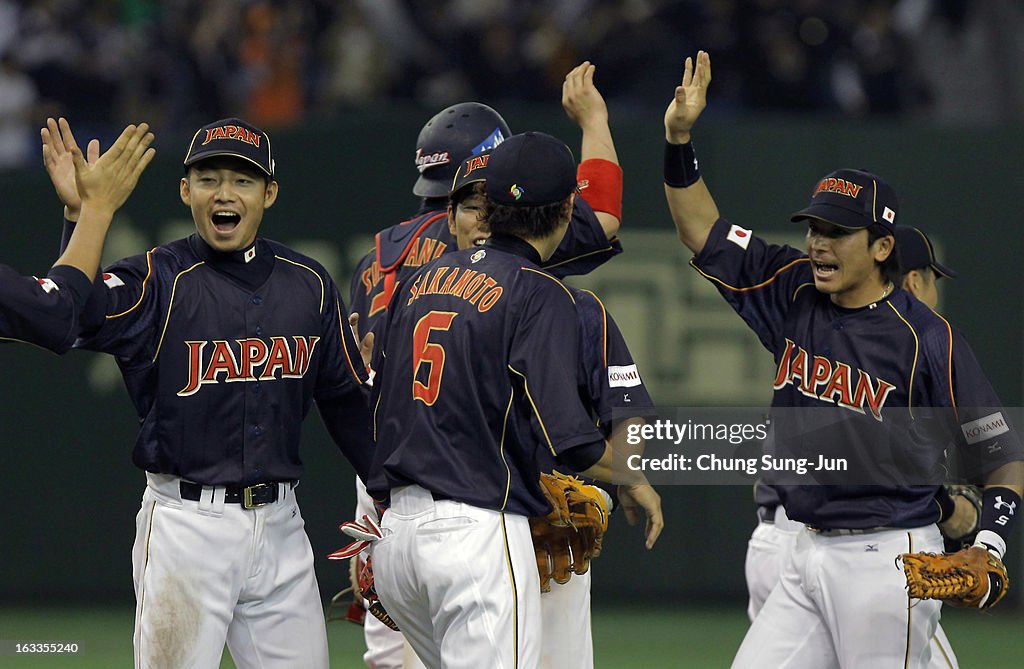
pixel 886 290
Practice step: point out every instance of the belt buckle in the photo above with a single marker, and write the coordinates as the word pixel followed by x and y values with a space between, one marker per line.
pixel 247 495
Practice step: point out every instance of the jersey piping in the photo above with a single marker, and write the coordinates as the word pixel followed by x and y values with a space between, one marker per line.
pixel 170 307
pixel 548 276
pixel 515 597
pixel 798 289
pixel 348 358
pixel 582 255
pixel 917 352
pixel 314 273
pixel 540 421
pixel 145 282
pixel 501 449
pixel 746 288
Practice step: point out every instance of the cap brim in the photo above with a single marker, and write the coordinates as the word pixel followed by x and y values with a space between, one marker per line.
pixel 193 159
pixel 431 187
pixel 459 185
pixel 942 270
pixel 830 213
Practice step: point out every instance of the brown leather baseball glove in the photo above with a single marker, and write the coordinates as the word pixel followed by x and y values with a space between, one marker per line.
pixel 971 578
pixel 570 535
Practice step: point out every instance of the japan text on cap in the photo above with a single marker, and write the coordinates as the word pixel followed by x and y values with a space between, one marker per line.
pixel 530 170
pixel 852 199
pixel 472 170
pixel 916 251
pixel 232 137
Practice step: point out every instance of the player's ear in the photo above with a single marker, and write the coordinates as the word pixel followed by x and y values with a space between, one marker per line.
pixel 567 209
pixel 883 247
pixel 270 195
pixel 451 219
pixel 185 191
pixel 911 281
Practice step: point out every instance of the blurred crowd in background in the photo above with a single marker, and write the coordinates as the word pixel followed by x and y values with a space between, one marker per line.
pixel 180 63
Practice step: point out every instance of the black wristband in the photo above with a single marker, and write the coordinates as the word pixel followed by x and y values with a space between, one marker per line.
pixel 681 169
pixel 998 507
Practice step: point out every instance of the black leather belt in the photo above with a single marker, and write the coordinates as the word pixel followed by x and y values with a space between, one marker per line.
pixel 846 531
pixel 250 497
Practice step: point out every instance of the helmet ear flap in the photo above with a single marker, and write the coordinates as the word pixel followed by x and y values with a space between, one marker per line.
pixel 452 135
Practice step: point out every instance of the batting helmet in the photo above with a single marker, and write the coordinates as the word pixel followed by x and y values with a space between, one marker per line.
pixel 453 135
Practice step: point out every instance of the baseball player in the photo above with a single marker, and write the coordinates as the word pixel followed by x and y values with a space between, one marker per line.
pixel 608 379
pixel 775 533
pixel 224 340
pixel 444 143
pixel 45 312
pixel 476 366
pixel 849 340
pixel 921 271
pixel 467 128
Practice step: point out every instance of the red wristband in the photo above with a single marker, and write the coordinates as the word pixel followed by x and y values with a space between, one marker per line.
pixel 600 184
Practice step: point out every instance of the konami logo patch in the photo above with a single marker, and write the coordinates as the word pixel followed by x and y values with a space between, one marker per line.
pixel 984 428
pixel 623 376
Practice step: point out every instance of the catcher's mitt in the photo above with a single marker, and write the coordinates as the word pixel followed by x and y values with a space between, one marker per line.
pixel 570 535
pixel 971 578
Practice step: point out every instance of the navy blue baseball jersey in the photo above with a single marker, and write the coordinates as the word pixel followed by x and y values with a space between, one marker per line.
pixel 43 311
pixel 872 364
pixel 608 375
pixel 608 378
pixel 477 372
pixel 223 354
pixel 402 249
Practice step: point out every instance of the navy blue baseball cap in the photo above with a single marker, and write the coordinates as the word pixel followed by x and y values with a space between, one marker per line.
pixel 530 170
pixel 472 170
pixel 232 137
pixel 916 251
pixel 852 199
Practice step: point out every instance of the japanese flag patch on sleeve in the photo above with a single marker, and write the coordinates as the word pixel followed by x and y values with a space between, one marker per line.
pixel 739 236
pixel 112 280
pixel 46 284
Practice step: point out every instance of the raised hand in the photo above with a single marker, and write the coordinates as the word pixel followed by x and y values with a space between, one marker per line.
pixel 689 100
pixel 57 140
pixel 107 181
pixel 580 98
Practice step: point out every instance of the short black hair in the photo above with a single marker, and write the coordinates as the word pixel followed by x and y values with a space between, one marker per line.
pixel 526 222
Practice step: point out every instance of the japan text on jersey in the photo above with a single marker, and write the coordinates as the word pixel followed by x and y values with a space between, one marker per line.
pixel 885 369
pixel 221 374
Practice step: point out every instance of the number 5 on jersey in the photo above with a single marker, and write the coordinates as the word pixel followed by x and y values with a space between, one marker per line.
pixel 425 351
